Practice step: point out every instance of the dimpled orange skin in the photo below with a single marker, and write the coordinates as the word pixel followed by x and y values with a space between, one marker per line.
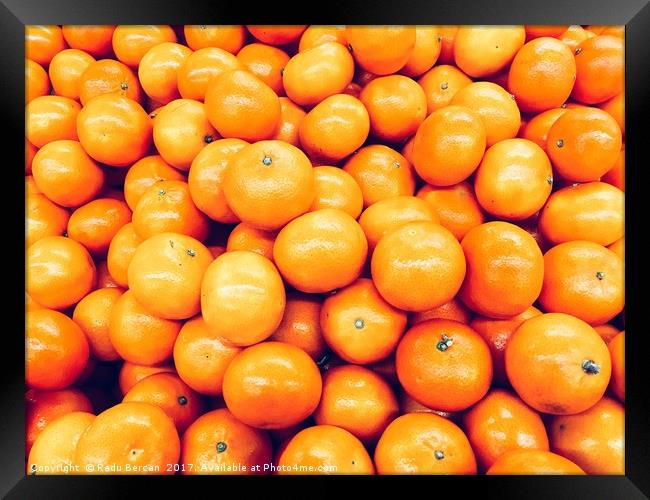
pixel 600 69
pixel 617 352
pixel 114 130
pixel 131 373
pixel 456 207
pixel 482 51
pixel 314 74
pixel 495 106
pixel 593 439
pixel 42 43
pixel 449 145
pixel 530 462
pixel 201 358
pixel 143 174
pixel 92 314
pixel 336 188
pixel 246 237
pixel 501 422
pixel 56 350
pixel 181 130
pixel 37 82
pixel 108 76
pixel 358 400
pixel 165 207
pixel 584 279
pixel 505 269
pixel 138 336
pixel 542 75
pixel 200 67
pixel 607 332
pixel 300 325
pixel 135 434
pixel 359 325
pixel 131 43
pixel 51 118
pixel 169 393
pixel 496 333
pixel 616 175
pixel 424 443
pixel 205 179
pixel 65 71
pixel 327 449
pixel 428 42
pixel 43 218
pixel 381 50
pixel 382 217
pixel 217 440
pixel 60 272
pixel 574 35
pixel 440 85
pixel 94 39
pixel 591 212
pixel 291 117
pixel 584 143
pixel 269 183
pixel 265 62
pixel 537 128
pixel 272 385
pixel 418 266
pixel 443 375
pixel 453 310
pixel 277 35
pixel 514 179
pixel 242 297
pixel 120 253
pixel 241 105
pixel 230 38
pixel 158 70
pixel 165 275
pixel 309 248
pixel 616 108
pixel 317 35
pixel 55 447
pixel 95 224
pixel 548 364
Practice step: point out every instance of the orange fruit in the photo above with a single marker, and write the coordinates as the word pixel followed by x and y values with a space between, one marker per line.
pixel 158 70
pixel 505 269
pixel 358 400
pixel 37 82
pixel 607 332
pixel 170 394
pixel 201 358
pixel 444 365
pixel 453 310
pixel 593 439
pixel 108 76
pixel 131 373
pixel 336 188
pixel 246 237
pixel 242 297
pixel 514 179
pixel 167 207
pixel 95 224
pixel 537 128
pixel 165 275
pixel 359 325
pixel 381 172
pixel 418 266
pixel 617 352
pixel 143 174
pixel 537 31
pixel 495 106
pixel 424 443
pixel 396 105
pixel 440 85
pixel 104 278
pixel 272 385
pixel 482 51
pixel 583 279
pixel 558 364
pixel 616 108
pixel 428 42
pixel 591 211
pixel 291 117
pixel 96 40
pixel 502 422
pixel 60 272
pixel 300 325
pixel 381 49
pixel 66 70
pixel 218 443
pixel 583 144
pixel 137 335
pixel 316 35
pixel 276 35
pixel 131 43
pixel 324 449
pixel 241 105
pixel 205 179
pixel 43 218
pixel 265 62
pixel 120 253
pixel 42 43
pixel 314 74
pixel 129 438
pixel 51 118
pixel 448 34
pixel 230 38
pixel 542 74
pixel 449 145
pixel 533 462
pixel 320 251
pixel 56 350
pixel 334 128
pixel 200 68
pixel 616 175
pixel 93 314
pixel 599 69
pixel 269 183
pixel 574 35
pixel 114 130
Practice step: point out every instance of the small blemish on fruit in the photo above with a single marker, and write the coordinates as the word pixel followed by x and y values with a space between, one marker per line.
pixel 590 367
pixel 439 454
pixel 350 47
pixel 171 243
pixel 221 447
pixel 444 85
pixel 397 165
pixel 445 343
pixel 560 143
pixel 162 192
pixel 600 275
pixel 549 179
pixel 124 86
pixel 578 50
pixel 267 160
pixel 191 252
pixel 208 139
pixel 182 400
pixel 359 324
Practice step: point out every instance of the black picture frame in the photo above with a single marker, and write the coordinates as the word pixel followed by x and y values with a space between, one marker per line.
pixel 634 14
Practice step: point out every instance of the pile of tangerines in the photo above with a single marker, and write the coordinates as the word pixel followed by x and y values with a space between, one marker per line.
pixel 324 249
